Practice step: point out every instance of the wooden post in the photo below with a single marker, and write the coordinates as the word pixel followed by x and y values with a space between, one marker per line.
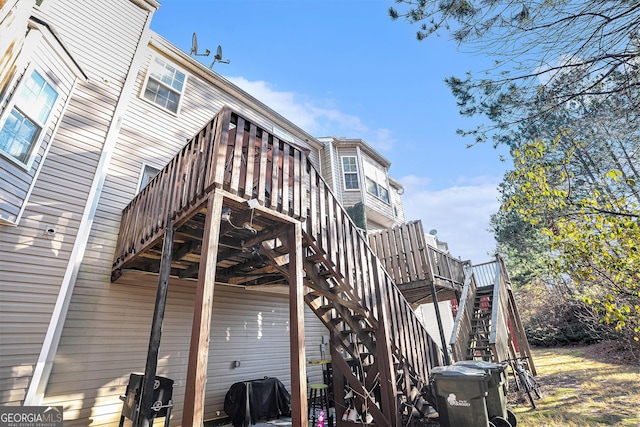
pixel 193 412
pixel 299 409
pixel 143 417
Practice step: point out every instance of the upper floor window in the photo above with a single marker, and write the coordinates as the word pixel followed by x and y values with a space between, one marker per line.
pixel 165 84
pixel 377 183
pixel 26 119
pixel 350 171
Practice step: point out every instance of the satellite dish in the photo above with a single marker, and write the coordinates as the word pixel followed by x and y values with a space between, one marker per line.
pixel 194 47
pixel 433 231
pixel 218 57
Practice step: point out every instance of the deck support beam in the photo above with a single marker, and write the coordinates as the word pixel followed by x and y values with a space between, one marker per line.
pixel 146 400
pixel 193 413
pixel 299 409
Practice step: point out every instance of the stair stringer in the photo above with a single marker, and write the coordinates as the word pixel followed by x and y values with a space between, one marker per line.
pixel 378 345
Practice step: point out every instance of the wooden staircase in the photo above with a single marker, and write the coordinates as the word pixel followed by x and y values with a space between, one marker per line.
pixel 488 325
pixel 479 342
pixel 379 349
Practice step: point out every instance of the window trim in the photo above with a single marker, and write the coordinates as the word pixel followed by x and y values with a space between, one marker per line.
pixel 11 98
pixel 143 88
pixel 357 173
pixel 141 176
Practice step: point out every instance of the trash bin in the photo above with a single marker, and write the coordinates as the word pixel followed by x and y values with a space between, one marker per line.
pixel 497 387
pixel 162 394
pixel 460 396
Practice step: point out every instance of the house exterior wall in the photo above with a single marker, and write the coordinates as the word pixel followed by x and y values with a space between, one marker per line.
pixel 14 15
pixel 37 55
pixel 106 337
pixel 106 328
pixel 427 315
pixel 328 164
pixel 33 264
pixel 380 214
pixel 396 204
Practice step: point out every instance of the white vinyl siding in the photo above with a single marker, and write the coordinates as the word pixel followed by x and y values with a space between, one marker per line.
pixel 107 334
pixel 351 197
pixel 101 35
pixel 398 207
pixel 19 176
pixel 32 263
pixel 427 315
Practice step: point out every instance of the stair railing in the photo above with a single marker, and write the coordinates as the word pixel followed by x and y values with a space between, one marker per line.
pixel 462 326
pixel 332 231
pixel 500 336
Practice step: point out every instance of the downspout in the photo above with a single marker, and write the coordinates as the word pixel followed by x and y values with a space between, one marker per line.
pixel 42 371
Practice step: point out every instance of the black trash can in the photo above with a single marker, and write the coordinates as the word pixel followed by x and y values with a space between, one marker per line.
pixel 162 394
pixel 497 387
pixel 460 396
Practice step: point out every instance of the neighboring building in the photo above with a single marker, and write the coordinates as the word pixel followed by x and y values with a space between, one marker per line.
pixel 359 176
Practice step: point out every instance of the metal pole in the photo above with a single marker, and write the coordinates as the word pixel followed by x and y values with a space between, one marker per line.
pixel 445 349
pixel 143 418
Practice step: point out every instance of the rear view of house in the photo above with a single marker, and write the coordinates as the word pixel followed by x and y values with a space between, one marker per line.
pixel 139 187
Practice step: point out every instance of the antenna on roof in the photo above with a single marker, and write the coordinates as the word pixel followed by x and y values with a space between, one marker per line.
pixel 218 58
pixel 194 47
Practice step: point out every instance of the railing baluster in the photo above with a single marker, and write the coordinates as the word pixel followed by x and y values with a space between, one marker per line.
pixel 251 162
pixel 286 161
pixel 275 165
pixel 235 165
pixel 299 184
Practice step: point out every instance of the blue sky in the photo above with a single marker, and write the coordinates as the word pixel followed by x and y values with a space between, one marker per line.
pixel 342 67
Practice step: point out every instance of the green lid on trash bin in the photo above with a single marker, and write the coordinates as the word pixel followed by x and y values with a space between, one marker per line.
pixel 480 364
pixel 454 372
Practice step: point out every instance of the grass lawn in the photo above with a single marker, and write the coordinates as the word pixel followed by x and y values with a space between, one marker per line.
pixel 580 391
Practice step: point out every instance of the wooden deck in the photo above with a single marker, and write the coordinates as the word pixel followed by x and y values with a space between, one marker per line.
pixel 234 196
pixel 414 266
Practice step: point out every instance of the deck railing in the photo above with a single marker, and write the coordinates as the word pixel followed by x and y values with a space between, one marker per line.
pixel 229 152
pixel 407 258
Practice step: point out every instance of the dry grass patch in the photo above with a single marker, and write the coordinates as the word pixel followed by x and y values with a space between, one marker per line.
pixel 580 391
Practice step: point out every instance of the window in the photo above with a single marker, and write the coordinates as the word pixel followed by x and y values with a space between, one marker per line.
pixel 376 179
pixel 350 171
pixel 164 85
pixel 23 125
pixel 148 173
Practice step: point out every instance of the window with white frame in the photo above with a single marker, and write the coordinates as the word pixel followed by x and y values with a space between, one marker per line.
pixel 376 180
pixel 22 127
pixel 165 84
pixel 148 173
pixel 350 172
